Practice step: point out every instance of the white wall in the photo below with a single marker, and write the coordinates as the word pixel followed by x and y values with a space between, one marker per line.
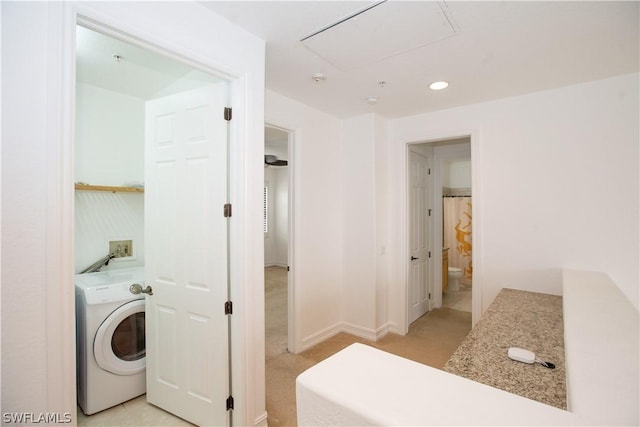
pixel 317 260
pixel 37 337
pixel 109 146
pixel 445 173
pixel 382 209
pixel 459 174
pixel 109 150
pixel 104 216
pixel 24 201
pixel 558 183
pixel 358 224
pixel 364 226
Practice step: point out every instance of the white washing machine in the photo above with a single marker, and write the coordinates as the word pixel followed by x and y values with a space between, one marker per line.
pixel 110 337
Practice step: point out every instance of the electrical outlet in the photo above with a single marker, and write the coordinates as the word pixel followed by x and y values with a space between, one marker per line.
pixel 121 248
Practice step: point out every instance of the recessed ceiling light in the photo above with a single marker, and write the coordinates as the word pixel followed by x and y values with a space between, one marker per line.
pixel 438 85
pixel 371 100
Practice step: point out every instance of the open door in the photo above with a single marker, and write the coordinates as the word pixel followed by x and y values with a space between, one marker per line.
pixel 186 255
pixel 419 236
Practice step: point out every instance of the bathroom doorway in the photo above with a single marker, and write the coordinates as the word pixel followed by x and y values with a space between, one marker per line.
pixel 450 270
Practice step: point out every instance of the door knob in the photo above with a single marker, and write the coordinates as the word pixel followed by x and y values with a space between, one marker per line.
pixel 138 289
pixel 414 258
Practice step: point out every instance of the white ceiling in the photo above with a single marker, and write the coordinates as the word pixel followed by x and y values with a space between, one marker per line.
pixel 485 50
pixel 136 72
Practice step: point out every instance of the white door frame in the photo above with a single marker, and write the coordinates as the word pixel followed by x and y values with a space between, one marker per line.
pixel 294 341
pixel 476 309
pixel 60 301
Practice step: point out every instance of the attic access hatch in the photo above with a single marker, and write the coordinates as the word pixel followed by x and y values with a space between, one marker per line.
pixel 379 31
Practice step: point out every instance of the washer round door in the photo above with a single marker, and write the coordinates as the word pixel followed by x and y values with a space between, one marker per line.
pixel 119 345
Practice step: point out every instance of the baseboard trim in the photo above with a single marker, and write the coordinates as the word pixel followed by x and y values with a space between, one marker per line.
pixel 382 331
pixel 366 333
pixel 359 331
pixel 348 328
pixel 320 336
pixel 392 327
pixel 261 421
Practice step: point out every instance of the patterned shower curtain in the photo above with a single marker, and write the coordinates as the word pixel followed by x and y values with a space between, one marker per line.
pixel 457 234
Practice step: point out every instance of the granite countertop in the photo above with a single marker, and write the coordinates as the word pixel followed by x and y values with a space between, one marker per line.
pixel 528 320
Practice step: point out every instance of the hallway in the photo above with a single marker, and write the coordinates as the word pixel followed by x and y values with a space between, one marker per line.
pixel 432 339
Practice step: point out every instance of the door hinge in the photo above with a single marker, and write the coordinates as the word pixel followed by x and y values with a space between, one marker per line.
pixel 227 210
pixel 429 173
pixel 228 307
pixel 229 402
pixel 227 113
pixel 429 254
pixel 429 212
pixel 288 268
pixel 429 295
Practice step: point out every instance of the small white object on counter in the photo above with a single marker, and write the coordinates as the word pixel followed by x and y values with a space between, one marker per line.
pixel 521 355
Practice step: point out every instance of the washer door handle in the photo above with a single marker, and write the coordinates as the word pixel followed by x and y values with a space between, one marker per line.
pixel 138 289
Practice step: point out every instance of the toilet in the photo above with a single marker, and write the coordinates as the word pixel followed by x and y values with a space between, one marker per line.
pixel 454 276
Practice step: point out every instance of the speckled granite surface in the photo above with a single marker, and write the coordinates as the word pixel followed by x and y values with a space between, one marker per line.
pixel 522 319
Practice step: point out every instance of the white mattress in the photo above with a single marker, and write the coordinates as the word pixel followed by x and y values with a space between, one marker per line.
pixel 361 385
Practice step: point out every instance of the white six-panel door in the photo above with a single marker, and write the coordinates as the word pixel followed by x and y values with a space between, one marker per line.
pixel 419 262
pixel 185 240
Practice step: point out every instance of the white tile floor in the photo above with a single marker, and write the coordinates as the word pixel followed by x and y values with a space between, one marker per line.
pixel 458 300
pixel 135 412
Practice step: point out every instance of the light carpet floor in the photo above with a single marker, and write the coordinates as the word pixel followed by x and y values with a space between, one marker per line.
pixel 432 339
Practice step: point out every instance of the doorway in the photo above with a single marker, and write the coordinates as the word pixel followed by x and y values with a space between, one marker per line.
pixel 152 141
pixel 279 266
pixel 449 277
pixel 276 240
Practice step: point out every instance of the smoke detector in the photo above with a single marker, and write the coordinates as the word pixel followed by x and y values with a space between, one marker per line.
pixel 319 78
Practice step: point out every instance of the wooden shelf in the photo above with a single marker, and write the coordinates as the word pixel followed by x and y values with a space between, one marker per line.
pixel 87 187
